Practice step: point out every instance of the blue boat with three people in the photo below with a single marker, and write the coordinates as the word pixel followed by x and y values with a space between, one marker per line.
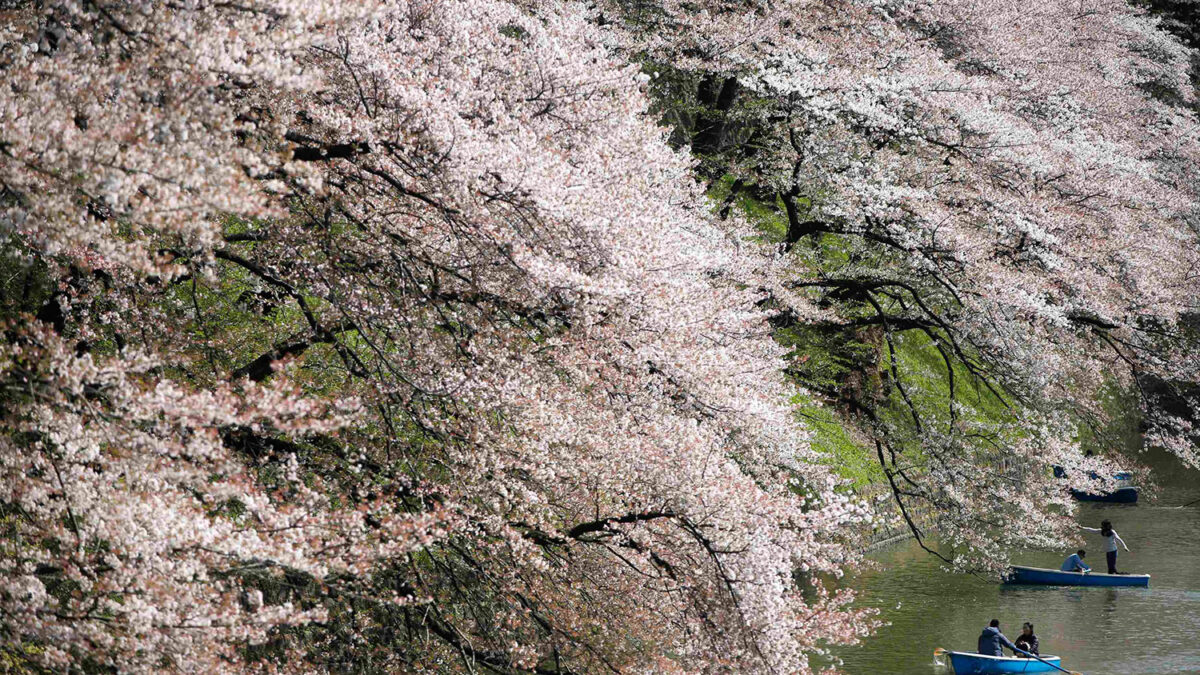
pixel 968 663
pixel 1019 574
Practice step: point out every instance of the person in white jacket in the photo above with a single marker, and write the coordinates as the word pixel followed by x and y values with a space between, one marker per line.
pixel 1111 539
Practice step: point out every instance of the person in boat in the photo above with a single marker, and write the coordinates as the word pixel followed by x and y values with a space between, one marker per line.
pixel 992 641
pixel 1074 563
pixel 1027 640
pixel 1111 538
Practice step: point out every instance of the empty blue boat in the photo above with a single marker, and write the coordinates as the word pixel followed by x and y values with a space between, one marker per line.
pixel 1019 574
pixel 1125 495
pixel 977 664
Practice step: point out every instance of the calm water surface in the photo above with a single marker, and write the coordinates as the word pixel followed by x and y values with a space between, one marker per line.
pixel 1096 631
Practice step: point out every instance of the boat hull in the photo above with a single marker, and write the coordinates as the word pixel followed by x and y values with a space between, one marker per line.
pixel 1019 574
pixel 1125 495
pixel 978 664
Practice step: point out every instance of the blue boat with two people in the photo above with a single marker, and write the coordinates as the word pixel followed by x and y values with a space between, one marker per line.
pixel 1019 574
pixel 967 663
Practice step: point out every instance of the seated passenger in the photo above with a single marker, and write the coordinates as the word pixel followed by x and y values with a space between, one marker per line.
pixel 1027 640
pixel 1074 563
pixel 992 641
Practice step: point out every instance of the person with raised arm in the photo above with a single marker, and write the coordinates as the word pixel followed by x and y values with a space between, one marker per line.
pixel 1111 539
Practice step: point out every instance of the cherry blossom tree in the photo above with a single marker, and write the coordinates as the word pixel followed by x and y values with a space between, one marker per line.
pixel 400 336
pixel 397 339
pixel 999 194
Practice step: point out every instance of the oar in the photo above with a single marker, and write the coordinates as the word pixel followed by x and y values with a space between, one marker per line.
pixel 1035 656
pixel 938 651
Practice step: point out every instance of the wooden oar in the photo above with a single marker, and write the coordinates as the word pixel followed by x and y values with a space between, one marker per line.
pixel 938 651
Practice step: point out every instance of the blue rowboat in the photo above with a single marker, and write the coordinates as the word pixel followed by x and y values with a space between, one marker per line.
pixel 1019 574
pixel 1125 495
pixel 977 664
pixel 1060 472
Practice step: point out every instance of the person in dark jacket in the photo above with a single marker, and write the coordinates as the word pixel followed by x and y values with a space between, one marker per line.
pixel 992 641
pixel 1027 640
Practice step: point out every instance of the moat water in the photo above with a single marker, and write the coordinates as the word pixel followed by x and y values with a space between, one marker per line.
pixel 1096 631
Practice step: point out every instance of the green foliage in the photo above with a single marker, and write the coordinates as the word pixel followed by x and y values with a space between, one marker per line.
pixel 852 368
pixel 673 99
pixel 928 381
pixel 1120 430
pixel 233 316
pixel 766 217
pixel 20 658
pixel 25 283
pixel 834 441
pixel 831 359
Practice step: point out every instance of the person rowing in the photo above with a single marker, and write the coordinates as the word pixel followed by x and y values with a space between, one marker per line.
pixel 1111 538
pixel 992 642
pixel 1074 563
